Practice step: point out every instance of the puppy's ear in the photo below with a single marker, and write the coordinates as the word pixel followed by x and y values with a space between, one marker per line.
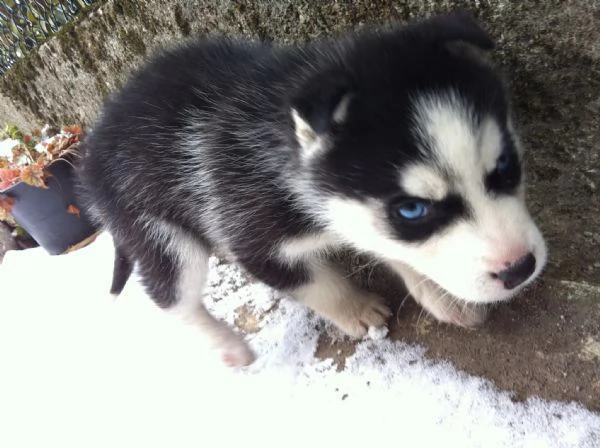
pixel 319 108
pixel 457 27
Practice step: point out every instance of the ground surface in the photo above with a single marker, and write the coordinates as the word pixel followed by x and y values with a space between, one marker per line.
pixel 544 343
pixel 80 369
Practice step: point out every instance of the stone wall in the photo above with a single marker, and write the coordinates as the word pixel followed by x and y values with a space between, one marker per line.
pixel 550 52
pixel 67 78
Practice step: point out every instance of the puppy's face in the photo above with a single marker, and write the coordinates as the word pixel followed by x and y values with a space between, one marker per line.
pixel 420 164
pixel 452 207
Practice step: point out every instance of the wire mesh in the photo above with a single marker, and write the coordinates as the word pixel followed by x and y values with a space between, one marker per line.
pixel 24 24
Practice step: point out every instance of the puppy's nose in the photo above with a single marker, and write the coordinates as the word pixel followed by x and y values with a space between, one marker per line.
pixel 517 273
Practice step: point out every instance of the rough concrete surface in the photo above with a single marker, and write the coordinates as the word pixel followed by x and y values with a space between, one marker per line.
pixel 545 342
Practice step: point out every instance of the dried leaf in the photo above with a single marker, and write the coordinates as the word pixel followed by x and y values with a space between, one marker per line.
pixel 73 210
pixel 9 177
pixel 62 143
pixel 49 147
pixel 73 129
pixel 34 175
pixel 43 159
pixel 17 152
pixel 27 163
pixel 6 203
pixel 6 217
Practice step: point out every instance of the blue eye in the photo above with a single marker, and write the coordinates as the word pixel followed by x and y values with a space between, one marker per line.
pixel 413 210
pixel 503 162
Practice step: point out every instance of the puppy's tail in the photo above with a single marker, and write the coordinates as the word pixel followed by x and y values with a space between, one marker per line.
pixel 121 272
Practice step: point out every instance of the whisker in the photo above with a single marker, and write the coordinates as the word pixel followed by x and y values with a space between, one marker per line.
pixel 408 294
pixel 419 319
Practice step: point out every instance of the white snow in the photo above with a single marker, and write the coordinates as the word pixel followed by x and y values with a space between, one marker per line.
pixel 6 147
pixel 79 369
pixel 377 333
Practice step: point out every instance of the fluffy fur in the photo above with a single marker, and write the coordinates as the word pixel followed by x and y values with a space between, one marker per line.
pixel 277 156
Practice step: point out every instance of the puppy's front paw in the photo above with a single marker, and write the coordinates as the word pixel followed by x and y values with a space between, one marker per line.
pixel 362 310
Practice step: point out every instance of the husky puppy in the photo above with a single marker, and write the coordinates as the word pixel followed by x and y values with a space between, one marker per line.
pixel 397 142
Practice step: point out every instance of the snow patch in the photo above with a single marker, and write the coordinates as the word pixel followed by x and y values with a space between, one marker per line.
pixel 6 147
pixel 377 333
pixel 84 370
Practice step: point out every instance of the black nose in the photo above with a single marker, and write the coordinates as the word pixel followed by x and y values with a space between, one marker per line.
pixel 518 272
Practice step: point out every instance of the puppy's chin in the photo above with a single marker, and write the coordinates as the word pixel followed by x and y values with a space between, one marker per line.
pixel 507 295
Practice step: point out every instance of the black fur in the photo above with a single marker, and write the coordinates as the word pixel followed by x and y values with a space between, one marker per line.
pixel 441 214
pixel 121 271
pixel 230 185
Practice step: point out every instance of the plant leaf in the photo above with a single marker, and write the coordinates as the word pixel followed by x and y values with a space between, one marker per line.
pixel 17 152
pixel 73 210
pixel 20 231
pixel 73 129
pixel 8 177
pixel 34 175
pixel 13 132
pixel 6 217
pixel 6 203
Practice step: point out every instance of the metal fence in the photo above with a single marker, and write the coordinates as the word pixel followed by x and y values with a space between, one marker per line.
pixel 24 24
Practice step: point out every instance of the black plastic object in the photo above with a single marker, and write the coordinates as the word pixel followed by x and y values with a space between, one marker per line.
pixel 42 212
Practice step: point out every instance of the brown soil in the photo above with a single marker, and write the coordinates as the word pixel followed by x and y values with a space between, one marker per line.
pixel 544 343
pixel 541 344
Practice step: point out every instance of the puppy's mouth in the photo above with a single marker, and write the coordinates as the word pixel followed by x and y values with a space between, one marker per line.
pixel 470 314
pixel 507 284
pixel 450 309
pixel 500 293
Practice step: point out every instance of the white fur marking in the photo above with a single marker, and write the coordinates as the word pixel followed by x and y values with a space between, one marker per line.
pixel 490 143
pixel 193 272
pixel 294 249
pixel 424 181
pixel 333 297
pixel 309 141
pixel 341 110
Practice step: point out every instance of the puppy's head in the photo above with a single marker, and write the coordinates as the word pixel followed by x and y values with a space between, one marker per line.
pixel 410 152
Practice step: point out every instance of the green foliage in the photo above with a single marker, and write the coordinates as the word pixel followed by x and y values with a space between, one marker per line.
pixel 12 132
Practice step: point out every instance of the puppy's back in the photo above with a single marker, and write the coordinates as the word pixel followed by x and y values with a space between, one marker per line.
pixel 133 158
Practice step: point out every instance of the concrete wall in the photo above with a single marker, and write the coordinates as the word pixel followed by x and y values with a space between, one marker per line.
pixel 67 78
pixel 550 51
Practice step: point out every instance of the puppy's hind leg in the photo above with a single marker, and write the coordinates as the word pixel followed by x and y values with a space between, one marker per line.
pixel 123 267
pixel 174 271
